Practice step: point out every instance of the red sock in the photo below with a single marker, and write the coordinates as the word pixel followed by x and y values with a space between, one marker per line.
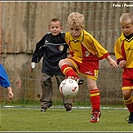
pixel 129 104
pixel 95 99
pixel 68 71
pixel 130 107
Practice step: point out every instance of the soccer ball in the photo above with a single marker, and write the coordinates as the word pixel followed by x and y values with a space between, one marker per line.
pixel 68 88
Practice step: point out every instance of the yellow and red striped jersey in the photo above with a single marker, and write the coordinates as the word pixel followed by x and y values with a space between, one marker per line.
pixel 124 50
pixel 86 47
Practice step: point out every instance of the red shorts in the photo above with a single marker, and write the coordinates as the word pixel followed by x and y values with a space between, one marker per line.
pixel 86 68
pixel 127 79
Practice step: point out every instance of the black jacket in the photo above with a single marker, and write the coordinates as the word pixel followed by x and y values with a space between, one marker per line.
pixel 52 49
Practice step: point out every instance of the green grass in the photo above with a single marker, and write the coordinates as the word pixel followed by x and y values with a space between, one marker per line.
pixel 57 119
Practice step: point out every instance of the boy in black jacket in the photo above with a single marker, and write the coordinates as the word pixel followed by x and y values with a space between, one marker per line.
pixel 52 47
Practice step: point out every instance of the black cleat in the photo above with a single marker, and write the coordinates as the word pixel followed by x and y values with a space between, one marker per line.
pixel 130 118
pixel 80 81
pixel 68 107
pixel 43 109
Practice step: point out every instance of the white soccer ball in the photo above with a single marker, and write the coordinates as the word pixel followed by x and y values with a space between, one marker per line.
pixel 69 88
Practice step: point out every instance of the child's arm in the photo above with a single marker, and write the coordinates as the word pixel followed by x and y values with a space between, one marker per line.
pixel 37 54
pixel 10 93
pixel 111 61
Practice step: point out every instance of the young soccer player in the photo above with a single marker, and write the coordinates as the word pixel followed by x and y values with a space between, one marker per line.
pixel 85 53
pixel 124 56
pixel 4 82
pixel 52 47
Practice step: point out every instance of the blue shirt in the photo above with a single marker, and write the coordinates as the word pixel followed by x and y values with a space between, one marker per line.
pixel 4 80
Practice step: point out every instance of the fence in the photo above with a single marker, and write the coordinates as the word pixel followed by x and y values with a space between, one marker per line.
pixel 23 25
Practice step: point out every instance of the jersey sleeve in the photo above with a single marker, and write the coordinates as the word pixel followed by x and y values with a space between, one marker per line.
pixel 67 40
pixel 118 50
pixel 4 80
pixel 38 53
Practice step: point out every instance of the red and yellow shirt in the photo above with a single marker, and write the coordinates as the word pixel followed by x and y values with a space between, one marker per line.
pixel 86 47
pixel 124 50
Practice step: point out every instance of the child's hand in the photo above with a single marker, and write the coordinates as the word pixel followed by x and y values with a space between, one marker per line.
pixel 122 63
pixel 10 95
pixel 33 64
pixel 113 63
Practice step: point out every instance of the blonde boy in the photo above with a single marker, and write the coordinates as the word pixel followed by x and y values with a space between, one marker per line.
pixel 124 56
pixel 85 53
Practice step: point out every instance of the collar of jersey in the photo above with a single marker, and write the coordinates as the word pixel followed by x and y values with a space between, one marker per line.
pixel 80 38
pixel 124 38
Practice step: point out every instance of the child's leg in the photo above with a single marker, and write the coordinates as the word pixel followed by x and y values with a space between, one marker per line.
pixel 66 101
pixel 95 100
pixel 129 103
pixel 127 89
pixel 68 71
pixel 47 92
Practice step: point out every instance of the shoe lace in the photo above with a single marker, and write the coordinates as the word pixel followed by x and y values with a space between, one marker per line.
pixel 95 115
pixel 80 81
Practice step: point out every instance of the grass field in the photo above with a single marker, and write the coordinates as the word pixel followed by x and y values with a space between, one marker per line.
pixel 57 119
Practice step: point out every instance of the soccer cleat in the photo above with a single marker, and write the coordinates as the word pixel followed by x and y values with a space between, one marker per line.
pixel 95 116
pixel 43 109
pixel 80 81
pixel 68 107
pixel 130 118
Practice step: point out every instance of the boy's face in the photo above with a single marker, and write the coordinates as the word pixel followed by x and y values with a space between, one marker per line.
pixel 55 28
pixel 75 31
pixel 127 28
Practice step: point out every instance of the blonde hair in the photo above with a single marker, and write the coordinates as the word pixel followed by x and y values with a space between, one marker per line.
pixel 76 19
pixel 126 18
